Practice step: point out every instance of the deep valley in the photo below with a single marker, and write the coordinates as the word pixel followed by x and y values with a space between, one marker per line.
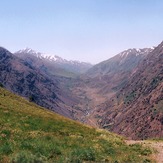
pixel 123 95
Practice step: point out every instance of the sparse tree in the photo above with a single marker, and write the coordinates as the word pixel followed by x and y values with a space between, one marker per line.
pixel 31 98
pixel 1 85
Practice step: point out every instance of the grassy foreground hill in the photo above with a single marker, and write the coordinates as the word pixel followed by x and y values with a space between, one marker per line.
pixel 29 134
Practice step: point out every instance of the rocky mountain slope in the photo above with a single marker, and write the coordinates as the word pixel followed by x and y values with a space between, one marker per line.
pixel 54 65
pixel 136 110
pixel 22 78
pixel 103 80
pixel 124 94
pixel 111 75
pixel 125 61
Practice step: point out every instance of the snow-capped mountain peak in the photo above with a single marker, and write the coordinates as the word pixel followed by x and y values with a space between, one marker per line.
pixel 48 57
pixel 73 66
pixel 27 50
pixel 135 52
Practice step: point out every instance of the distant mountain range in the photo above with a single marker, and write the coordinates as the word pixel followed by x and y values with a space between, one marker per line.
pixel 122 94
pixel 53 64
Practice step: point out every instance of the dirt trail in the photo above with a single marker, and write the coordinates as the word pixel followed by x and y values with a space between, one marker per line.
pixel 157 145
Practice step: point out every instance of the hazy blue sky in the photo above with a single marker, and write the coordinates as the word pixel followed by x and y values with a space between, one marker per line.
pixel 86 30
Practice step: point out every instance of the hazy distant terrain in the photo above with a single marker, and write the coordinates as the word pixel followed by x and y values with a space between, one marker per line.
pixel 52 64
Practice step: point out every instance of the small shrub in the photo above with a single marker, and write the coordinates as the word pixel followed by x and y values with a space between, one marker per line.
pixel 141 150
pixel 1 85
pixel 26 157
pixel 26 145
pixel 31 98
pixel 146 152
pixel 110 151
pixel 55 153
pixel 80 155
pixel 146 161
pixel 7 133
pixel 116 162
pixel 6 148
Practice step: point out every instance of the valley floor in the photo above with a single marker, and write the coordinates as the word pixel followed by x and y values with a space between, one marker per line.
pixel 156 145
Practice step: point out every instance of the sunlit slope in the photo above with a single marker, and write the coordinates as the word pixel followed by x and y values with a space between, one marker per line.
pixel 29 133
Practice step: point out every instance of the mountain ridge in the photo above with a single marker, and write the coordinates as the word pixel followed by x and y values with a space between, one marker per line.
pixel 141 114
pixel 135 55
pixel 124 95
pixel 54 60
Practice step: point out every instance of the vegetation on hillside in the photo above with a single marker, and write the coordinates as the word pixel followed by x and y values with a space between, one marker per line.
pixel 29 133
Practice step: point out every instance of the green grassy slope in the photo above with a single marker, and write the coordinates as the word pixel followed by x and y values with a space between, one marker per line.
pixel 29 133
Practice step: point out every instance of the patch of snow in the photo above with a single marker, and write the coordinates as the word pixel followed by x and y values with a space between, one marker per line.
pixel 138 50
pixel 49 57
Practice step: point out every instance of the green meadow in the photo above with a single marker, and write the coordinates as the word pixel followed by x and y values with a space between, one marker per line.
pixel 32 134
